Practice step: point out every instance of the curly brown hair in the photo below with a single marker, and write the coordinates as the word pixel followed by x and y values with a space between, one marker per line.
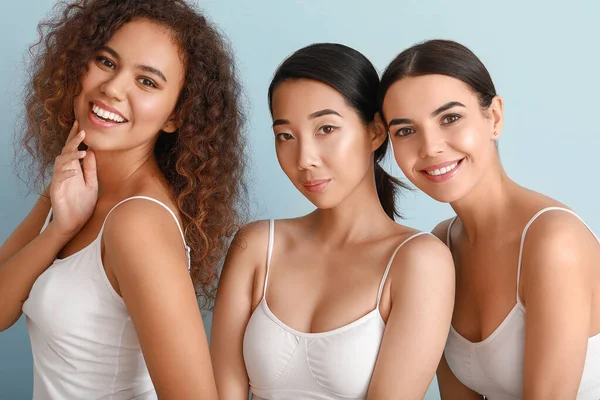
pixel 203 161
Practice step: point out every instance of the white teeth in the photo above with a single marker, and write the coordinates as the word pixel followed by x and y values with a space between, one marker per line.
pixel 106 114
pixel 443 170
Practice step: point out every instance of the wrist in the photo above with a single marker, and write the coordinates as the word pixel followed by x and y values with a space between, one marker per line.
pixel 60 238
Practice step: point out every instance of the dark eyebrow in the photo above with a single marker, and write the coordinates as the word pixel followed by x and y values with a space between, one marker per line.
pixel 320 113
pixel 145 68
pixel 445 107
pixel 280 122
pixel 110 51
pixel 152 70
pixel 399 121
pixel 314 115
pixel 438 111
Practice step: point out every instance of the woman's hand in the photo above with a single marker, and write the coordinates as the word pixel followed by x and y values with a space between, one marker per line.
pixel 73 190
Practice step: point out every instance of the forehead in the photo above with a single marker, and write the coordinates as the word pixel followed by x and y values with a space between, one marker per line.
pixel 300 97
pixel 426 93
pixel 143 42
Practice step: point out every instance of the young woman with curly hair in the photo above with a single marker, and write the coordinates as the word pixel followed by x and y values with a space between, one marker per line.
pixel 144 92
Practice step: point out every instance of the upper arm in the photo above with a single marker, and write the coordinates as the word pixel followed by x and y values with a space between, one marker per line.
pixel 422 295
pixel 233 308
pixel 27 230
pixel 450 387
pixel 148 259
pixel 559 254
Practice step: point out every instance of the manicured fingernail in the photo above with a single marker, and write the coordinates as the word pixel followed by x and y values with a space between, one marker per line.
pixel 81 153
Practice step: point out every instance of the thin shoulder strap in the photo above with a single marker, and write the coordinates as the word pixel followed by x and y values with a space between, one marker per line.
pixel 542 211
pixel 449 230
pixel 187 249
pixel 47 221
pixel 269 253
pixel 387 269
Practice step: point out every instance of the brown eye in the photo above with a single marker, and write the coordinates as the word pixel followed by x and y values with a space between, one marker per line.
pixel 284 136
pixel 451 118
pixel 404 132
pixel 147 82
pixel 105 62
pixel 327 129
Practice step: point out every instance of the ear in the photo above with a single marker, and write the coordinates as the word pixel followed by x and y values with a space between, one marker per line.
pixel 171 125
pixel 377 132
pixel 496 111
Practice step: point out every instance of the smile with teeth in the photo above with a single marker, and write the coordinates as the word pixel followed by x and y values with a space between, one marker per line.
pixel 106 115
pixel 443 170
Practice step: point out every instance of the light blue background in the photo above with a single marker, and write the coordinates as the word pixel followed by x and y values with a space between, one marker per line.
pixel 543 57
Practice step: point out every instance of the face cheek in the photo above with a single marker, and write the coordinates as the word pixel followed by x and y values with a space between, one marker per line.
pixel 80 104
pixel 286 158
pixel 148 113
pixel 352 155
pixel 406 159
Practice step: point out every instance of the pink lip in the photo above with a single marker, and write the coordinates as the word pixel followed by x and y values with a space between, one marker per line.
pixel 442 177
pixel 317 186
pixel 99 123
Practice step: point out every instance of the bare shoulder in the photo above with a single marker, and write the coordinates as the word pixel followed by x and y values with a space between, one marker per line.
pixel 423 269
pixel 139 225
pixel 244 266
pixel 140 215
pixel 424 255
pixel 559 258
pixel 557 235
pixel 441 230
pixel 251 241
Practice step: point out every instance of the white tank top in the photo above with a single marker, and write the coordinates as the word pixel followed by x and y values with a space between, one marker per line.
pixel 494 366
pixel 285 364
pixel 83 341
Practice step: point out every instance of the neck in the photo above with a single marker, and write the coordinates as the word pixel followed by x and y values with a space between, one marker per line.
pixel 485 209
pixel 117 168
pixel 357 218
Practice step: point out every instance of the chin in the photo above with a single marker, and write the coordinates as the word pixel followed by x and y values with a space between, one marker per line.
pixel 444 192
pixel 443 195
pixel 322 202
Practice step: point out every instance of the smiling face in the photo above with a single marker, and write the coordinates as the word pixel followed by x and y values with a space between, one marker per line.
pixel 322 144
pixel 443 141
pixel 131 88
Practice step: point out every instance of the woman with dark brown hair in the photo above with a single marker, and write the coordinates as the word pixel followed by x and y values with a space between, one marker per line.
pixel 526 320
pixel 144 92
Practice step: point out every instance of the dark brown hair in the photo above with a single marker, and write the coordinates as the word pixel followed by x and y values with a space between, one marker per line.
pixel 353 76
pixel 443 57
pixel 203 161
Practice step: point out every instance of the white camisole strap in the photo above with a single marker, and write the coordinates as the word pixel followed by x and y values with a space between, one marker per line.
pixel 187 249
pixel 389 265
pixel 542 211
pixel 269 253
pixel 47 221
pixel 448 231
pixel 385 274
